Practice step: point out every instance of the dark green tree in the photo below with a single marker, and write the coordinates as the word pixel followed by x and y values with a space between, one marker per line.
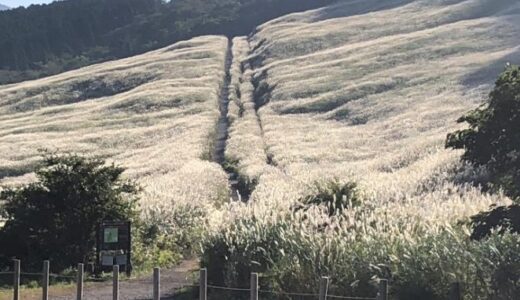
pixel 493 137
pixel 493 141
pixel 56 217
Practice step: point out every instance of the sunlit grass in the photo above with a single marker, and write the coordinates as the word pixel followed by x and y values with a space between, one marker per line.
pixel 153 114
pixel 367 91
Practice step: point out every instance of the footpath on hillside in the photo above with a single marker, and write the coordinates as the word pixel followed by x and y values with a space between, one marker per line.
pixel 222 130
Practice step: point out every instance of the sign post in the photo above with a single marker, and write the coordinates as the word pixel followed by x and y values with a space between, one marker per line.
pixel 114 246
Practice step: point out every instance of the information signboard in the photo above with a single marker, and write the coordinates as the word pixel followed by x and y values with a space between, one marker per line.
pixel 114 245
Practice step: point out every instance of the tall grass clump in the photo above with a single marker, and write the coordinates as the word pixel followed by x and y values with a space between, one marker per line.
pixel 291 252
pixel 333 194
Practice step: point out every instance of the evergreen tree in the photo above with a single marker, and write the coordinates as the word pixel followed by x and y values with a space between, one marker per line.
pixel 56 217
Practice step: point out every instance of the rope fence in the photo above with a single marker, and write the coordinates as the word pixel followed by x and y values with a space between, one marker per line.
pixel 203 286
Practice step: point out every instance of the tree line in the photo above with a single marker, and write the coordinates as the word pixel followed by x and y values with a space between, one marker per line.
pixel 42 40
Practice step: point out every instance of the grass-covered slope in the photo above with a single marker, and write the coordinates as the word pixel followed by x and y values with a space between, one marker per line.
pixel 366 91
pixel 154 114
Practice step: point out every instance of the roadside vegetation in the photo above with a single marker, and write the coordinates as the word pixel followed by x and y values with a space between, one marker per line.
pixel 56 217
pixel 492 142
pixel 357 243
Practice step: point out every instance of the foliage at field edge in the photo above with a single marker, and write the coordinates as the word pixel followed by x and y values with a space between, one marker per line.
pixel 56 217
pixel 492 141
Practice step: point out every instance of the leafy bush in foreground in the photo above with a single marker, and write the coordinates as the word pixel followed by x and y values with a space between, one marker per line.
pixel 493 139
pixel 56 217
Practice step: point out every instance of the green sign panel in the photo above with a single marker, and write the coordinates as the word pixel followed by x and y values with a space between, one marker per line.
pixel 111 235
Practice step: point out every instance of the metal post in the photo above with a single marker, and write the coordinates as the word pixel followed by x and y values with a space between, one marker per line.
pixel 129 254
pixel 115 282
pixel 383 289
pixel 456 291
pixel 254 286
pixel 324 287
pixel 203 294
pixel 45 280
pixel 156 284
pixel 16 279
pixel 79 282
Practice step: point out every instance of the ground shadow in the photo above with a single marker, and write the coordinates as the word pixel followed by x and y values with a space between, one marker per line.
pixel 357 8
pixel 488 74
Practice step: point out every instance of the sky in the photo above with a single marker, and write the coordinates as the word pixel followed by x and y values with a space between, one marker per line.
pixel 16 3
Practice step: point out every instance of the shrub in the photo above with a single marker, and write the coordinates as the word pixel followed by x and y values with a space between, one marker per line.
pixel 493 141
pixel 56 217
pixel 503 218
pixel 334 195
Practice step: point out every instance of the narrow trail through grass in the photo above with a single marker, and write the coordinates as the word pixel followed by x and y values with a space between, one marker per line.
pixel 223 125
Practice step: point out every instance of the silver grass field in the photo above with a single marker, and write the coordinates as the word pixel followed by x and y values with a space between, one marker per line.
pixel 359 91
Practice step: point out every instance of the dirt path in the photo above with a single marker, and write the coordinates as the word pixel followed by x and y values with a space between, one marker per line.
pixel 136 289
pixel 223 121
pixel 223 124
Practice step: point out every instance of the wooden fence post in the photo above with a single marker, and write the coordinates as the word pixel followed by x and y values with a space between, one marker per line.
pixel 79 282
pixel 383 289
pixel 45 280
pixel 203 294
pixel 115 282
pixel 156 284
pixel 324 287
pixel 455 292
pixel 90 268
pixel 16 279
pixel 254 286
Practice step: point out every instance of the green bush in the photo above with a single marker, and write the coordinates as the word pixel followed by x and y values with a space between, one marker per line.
pixel 334 195
pixel 493 139
pixel 56 217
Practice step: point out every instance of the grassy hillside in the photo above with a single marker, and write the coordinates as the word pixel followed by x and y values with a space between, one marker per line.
pixel 352 99
pixel 366 91
pixel 154 113
pixel 340 92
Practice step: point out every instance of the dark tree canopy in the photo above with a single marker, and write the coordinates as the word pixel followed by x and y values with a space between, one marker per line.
pixel 46 39
pixel 493 141
pixel 56 217
pixel 493 137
